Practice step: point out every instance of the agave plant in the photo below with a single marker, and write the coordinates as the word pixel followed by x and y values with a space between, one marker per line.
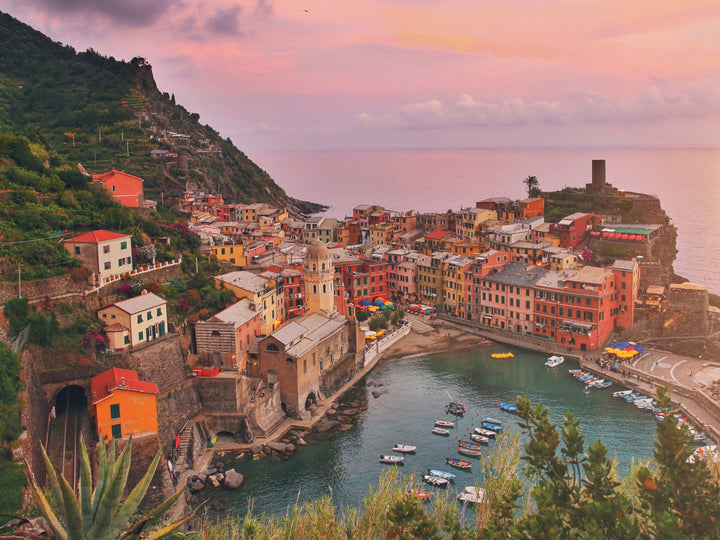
pixel 100 513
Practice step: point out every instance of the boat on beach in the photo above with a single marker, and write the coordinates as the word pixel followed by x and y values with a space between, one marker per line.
pixel 405 448
pixel 459 463
pixel 554 361
pixel 391 460
pixel 485 432
pixel 444 423
pixel 441 431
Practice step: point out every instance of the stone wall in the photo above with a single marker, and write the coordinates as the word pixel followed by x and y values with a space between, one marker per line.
pixel 175 406
pixel 35 415
pixel 224 394
pixel 56 287
pixel 331 380
pixel 687 312
pixel 161 361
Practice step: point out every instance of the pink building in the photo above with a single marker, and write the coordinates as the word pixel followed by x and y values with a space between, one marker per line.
pixel 123 187
pixel 401 274
pixel 508 298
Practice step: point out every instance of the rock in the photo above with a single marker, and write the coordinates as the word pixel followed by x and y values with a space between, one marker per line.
pixel 330 412
pixel 344 419
pixel 267 450
pixel 326 425
pixel 376 394
pixel 256 449
pixel 202 476
pixel 279 447
pixel 291 447
pixel 196 486
pixel 350 412
pixel 233 479
pixel 220 477
pixel 354 404
pixel 213 481
pixel 301 441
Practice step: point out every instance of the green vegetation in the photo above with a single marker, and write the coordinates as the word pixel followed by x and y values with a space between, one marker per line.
pixel 100 513
pixel 12 476
pixel 572 491
pixel 533 186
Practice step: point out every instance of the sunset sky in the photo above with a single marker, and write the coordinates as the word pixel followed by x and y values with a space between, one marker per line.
pixel 322 74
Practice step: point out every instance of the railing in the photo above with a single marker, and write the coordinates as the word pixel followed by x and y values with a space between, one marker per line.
pixel 372 351
pixel 140 270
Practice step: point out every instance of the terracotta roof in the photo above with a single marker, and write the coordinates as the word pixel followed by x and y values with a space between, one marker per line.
pixel 437 235
pixel 110 174
pixel 104 384
pixel 95 237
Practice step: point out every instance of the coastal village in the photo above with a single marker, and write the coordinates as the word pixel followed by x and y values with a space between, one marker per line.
pixel 261 372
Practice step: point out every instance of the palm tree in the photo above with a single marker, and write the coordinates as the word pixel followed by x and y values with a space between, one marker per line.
pixel 533 186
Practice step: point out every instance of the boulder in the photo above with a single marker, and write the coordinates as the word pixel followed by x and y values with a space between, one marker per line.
pixel 213 481
pixel 326 425
pixel 301 441
pixel 376 394
pixel 279 447
pixel 350 412
pixel 290 448
pixel 330 412
pixel 233 479
pixel 256 449
pixel 196 486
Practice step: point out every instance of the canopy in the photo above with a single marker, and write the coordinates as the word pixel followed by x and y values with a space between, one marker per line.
pixel 378 303
pixel 365 303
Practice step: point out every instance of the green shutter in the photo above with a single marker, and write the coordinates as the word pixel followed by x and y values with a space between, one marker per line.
pixel 115 411
pixel 116 431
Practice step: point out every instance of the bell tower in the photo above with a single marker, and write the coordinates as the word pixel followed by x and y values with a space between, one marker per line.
pixel 319 276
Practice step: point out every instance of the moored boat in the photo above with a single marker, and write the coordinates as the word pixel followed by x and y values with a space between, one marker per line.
pixel 554 361
pixel 485 432
pixel 479 438
pixel 470 452
pixel 492 427
pixel 435 480
pixel 391 460
pixel 508 407
pixel 622 393
pixel 441 431
pixel 492 420
pixel 405 448
pixel 471 495
pixel 459 463
pixel 468 444
pixel 444 423
pixel 420 494
pixel 442 474
pixel 457 411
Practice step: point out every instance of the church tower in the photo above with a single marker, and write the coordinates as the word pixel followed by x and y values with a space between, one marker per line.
pixel 319 275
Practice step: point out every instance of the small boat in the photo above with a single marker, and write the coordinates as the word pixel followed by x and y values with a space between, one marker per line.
pixel 457 411
pixel 213 441
pixel 468 444
pixel 471 495
pixel 605 384
pixel 485 432
pixel 442 474
pixel 419 493
pixel 492 427
pixel 622 393
pixel 492 420
pixel 596 383
pixel 470 452
pixel 405 448
pixel 435 480
pixel 554 361
pixel 507 407
pixel 580 373
pixel 480 439
pixel 501 356
pixel 444 423
pixel 441 431
pixel 459 463
pixel 391 460
pixel 636 398
pixel 456 405
pixel 574 371
pixel 699 437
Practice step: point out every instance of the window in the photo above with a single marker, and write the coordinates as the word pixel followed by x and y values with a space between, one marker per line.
pixel 159 312
pixel 106 249
pixel 139 318
pixel 116 431
pixel 272 348
pixel 107 265
pixel 149 315
pixel 77 250
pixel 140 336
pixel 123 245
pixel 115 411
pixel 126 340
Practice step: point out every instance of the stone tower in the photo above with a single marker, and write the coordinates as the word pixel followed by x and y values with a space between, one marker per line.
pixel 319 275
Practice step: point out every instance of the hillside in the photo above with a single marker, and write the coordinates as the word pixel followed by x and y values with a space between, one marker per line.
pixel 105 113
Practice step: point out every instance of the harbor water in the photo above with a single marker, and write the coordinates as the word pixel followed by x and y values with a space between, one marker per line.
pixel 413 393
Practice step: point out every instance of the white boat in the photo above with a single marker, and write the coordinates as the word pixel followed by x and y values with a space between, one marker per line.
pixel 444 423
pixel 442 474
pixel 435 480
pixel 441 431
pixel 708 453
pixel 480 438
pixel 392 460
pixel 471 495
pixel 622 393
pixel 405 448
pixel 485 432
pixel 554 361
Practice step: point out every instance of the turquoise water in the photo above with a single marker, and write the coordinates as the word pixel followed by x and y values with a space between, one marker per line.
pixel 415 392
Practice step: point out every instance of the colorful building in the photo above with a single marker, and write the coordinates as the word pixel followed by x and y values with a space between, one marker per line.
pixel 124 188
pixel 574 229
pixel 230 253
pixel 627 284
pixel 508 297
pixel 266 291
pixel 134 321
pixel 105 254
pixel 122 405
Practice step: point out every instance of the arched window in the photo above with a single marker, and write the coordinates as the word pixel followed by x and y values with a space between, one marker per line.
pixel 314 267
pixel 324 288
pixel 272 347
pixel 323 266
pixel 289 361
pixel 314 289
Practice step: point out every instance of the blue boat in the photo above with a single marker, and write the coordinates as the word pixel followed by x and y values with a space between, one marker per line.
pixel 507 407
pixel 492 420
pixel 442 474
pixel 470 452
pixel 492 427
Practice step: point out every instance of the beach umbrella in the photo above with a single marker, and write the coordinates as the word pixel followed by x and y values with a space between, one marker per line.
pixel 388 303
pixel 625 236
pixel 605 234
pixel 640 238
pixel 365 303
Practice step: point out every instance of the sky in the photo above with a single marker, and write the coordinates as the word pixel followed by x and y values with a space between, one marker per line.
pixel 339 74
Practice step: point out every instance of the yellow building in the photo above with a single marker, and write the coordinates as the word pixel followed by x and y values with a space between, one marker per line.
pixel 266 292
pixel 430 278
pixel 453 282
pixel 134 321
pixel 233 254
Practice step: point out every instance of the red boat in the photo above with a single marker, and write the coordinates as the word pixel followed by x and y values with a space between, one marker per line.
pixel 458 463
pixel 419 493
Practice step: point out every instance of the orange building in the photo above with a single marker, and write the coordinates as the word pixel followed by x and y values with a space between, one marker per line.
pixel 123 187
pixel 123 405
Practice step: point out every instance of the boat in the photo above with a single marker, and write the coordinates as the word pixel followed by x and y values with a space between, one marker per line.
pixel 480 439
pixel 391 460
pixel 596 383
pixel 444 423
pixel 579 373
pixel 605 384
pixel 492 420
pixel 457 411
pixel 419 493
pixel 622 393
pixel 435 480
pixel 459 463
pixel 470 452
pixel 213 441
pixel 492 427
pixel 442 474
pixel 471 495
pixel 699 437
pixel 633 399
pixel 456 405
pixel 573 371
pixel 485 432
pixel 405 448
pixel 441 431
pixel 501 356
pixel 554 361
pixel 507 407
pixel 468 444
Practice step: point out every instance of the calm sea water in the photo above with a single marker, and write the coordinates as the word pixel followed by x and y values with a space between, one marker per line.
pixel 415 392
pixel 687 180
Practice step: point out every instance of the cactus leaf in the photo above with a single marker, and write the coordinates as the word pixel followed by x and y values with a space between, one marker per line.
pixel 131 503
pixel 160 533
pixel 52 476
pixel 85 486
pixel 113 492
pixel 71 511
pixel 102 477
pixel 137 528
pixel 46 510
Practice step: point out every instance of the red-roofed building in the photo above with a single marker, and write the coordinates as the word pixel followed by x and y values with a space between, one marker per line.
pixel 125 188
pixel 104 253
pixel 122 405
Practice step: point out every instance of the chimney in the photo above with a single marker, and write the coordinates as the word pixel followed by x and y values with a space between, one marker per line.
pixel 122 381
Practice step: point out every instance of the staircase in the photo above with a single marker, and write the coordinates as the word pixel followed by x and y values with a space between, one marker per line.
pixel 182 448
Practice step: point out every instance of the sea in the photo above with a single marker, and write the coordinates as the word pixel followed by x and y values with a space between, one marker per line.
pixel 404 397
pixel 686 180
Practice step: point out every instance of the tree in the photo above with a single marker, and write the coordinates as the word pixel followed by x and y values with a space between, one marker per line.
pixel 100 513
pixel 533 186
